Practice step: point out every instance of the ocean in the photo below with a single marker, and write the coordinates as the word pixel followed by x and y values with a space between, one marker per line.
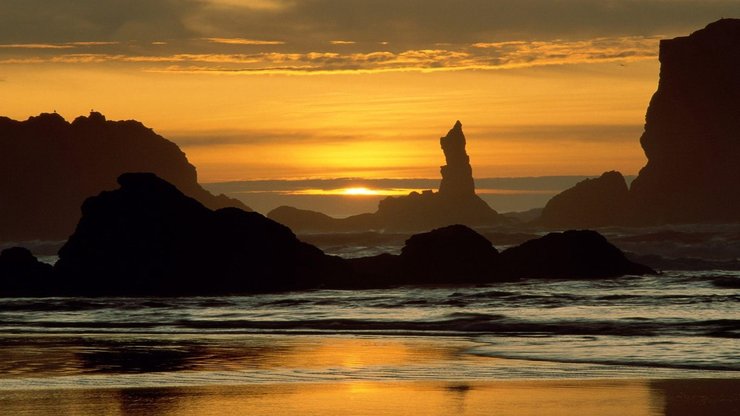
pixel 679 324
pixel 654 345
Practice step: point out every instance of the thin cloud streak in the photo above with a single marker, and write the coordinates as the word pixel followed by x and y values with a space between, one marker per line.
pixel 242 41
pixel 36 46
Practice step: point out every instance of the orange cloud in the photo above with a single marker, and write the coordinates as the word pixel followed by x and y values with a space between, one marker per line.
pixel 478 56
pixel 241 41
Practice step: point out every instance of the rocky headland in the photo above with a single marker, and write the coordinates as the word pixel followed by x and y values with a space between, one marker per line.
pixel 48 166
pixel 691 140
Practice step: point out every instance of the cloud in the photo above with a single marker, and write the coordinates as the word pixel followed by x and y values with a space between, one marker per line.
pixel 407 24
pixel 241 41
pixel 35 46
pixel 478 56
pixel 567 133
pixel 344 36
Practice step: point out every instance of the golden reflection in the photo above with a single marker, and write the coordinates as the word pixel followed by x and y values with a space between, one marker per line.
pixel 503 398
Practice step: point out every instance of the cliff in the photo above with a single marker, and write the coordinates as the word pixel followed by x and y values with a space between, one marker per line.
pixel 48 167
pixel 692 131
pixel 691 141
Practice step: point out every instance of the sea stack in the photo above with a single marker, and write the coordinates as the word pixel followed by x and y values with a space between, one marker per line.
pixel 692 131
pixel 454 203
pixel 457 174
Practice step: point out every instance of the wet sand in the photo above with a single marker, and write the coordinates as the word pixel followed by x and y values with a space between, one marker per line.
pixel 331 375
pixel 572 397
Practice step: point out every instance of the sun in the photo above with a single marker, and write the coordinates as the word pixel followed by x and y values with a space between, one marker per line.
pixel 359 191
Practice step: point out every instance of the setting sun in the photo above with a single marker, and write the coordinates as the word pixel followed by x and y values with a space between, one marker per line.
pixel 359 191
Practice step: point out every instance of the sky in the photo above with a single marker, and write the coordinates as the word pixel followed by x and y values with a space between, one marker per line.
pixel 293 89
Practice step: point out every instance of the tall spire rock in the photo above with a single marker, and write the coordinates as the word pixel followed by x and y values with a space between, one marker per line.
pixel 455 203
pixel 457 174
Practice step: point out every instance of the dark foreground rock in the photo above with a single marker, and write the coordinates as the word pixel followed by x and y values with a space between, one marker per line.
pixel 455 203
pixel 149 238
pixel 449 255
pixel 458 255
pixel 21 274
pixel 581 254
pixel 48 167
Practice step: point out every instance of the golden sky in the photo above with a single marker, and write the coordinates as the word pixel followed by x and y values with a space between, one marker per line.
pixel 327 88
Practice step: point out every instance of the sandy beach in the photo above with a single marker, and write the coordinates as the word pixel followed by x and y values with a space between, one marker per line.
pixel 332 375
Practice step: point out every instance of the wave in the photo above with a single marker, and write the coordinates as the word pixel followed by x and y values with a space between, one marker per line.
pixel 455 323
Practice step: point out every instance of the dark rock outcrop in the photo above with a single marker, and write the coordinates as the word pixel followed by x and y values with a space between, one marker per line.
pixel 691 140
pixel 450 255
pixel 21 274
pixel 49 166
pixel 457 255
pixel 692 131
pixel 455 203
pixel 148 238
pixel 590 203
pixel 569 255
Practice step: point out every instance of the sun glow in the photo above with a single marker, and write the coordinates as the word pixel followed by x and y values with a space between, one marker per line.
pixel 360 191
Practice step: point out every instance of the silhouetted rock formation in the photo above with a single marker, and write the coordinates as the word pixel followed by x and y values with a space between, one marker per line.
pixel 692 131
pixel 308 221
pixel 569 255
pixel 455 203
pixel 449 255
pixel 590 203
pixel 49 166
pixel 691 140
pixel 457 255
pixel 21 274
pixel 148 238
pixel 457 174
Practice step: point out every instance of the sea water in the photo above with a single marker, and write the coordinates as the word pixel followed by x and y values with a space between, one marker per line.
pixel 674 325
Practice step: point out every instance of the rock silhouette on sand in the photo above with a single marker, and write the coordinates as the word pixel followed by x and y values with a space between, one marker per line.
pixel 48 167
pixel 455 203
pixel 691 140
